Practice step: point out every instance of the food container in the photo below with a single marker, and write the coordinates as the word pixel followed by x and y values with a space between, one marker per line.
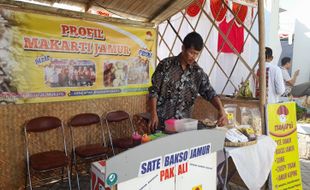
pixel 170 125
pixel 180 125
pixel 136 138
pixel 145 138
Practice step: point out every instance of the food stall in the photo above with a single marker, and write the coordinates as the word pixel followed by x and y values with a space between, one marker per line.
pixel 37 104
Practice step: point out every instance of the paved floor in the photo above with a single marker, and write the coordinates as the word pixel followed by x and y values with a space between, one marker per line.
pixel 84 185
pixel 305 173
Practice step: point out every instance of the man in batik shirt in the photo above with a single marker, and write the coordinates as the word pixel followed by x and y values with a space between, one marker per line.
pixel 176 83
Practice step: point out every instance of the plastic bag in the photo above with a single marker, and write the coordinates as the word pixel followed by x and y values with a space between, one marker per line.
pixel 256 121
pixel 246 116
pixel 231 111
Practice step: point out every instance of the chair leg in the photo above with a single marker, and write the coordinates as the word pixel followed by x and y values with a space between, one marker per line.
pixel 62 174
pixel 71 164
pixel 77 175
pixel 28 178
pixel 69 177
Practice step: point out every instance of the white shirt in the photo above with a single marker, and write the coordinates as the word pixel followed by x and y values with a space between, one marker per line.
pixel 276 85
pixel 286 77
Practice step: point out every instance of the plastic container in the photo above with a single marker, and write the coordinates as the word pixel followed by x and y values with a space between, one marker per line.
pixel 170 125
pixel 180 125
pixel 145 138
pixel 136 138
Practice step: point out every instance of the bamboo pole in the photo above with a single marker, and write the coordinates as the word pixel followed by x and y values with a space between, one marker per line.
pixel 262 66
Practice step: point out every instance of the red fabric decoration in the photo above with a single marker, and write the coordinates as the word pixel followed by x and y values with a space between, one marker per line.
pixel 235 36
pixel 194 8
pixel 241 13
pixel 218 9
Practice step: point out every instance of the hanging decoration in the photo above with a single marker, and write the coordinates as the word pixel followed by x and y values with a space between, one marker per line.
pixel 240 11
pixel 229 25
pixel 218 10
pixel 193 9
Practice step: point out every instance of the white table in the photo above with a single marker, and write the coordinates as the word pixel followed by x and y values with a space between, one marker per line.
pixel 252 162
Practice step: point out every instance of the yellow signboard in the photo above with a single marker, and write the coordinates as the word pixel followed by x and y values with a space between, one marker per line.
pixel 50 58
pixel 285 172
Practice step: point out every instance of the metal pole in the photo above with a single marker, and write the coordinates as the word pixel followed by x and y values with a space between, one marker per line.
pixel 262 67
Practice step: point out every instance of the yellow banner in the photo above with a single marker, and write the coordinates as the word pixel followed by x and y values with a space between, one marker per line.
pixel 282 128
pixel 51 58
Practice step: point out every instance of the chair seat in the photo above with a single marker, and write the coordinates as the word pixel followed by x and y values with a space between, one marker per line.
pixel 123 143
pixel 48 160
pixel 91 150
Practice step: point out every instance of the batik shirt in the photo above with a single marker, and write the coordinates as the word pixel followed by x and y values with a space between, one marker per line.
pixel 176 89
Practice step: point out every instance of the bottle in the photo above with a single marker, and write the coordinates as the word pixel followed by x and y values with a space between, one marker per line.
pixel 136 138
pixel 145 138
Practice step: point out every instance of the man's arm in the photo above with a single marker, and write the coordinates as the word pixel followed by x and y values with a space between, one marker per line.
pixel 293 79
pixel 208 93
pixel 153 123
pixel 154 92
pixel 222 117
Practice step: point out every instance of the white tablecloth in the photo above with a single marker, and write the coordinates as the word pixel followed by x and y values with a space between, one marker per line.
pixel 254 162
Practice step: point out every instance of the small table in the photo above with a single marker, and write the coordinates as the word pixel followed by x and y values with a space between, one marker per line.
pixel 252 162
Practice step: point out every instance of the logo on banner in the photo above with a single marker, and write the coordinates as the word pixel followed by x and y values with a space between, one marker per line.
pixel 111 179
pixel 199 187
pixel 282 112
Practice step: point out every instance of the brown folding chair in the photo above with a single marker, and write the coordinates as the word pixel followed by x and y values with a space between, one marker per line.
pixel 88 140
pixel 46 150
pixel 121 131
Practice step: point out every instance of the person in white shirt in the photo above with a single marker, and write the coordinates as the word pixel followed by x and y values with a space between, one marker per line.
pixel 289 81
pixel 274 79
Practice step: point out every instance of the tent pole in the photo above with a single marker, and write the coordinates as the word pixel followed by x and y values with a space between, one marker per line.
pixel 262 66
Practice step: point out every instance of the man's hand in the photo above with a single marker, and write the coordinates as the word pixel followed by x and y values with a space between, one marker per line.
pixel 153 123
pixel 222 119
pixel 296 73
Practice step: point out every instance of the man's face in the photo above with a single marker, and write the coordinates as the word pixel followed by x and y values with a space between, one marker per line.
pixel 289 65
pixel 189 55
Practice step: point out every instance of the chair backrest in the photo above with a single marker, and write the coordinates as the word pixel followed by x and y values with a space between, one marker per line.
pixel 84 119
pixel 43 134
pixel 86 128
pixel 118 116
pixel 41 124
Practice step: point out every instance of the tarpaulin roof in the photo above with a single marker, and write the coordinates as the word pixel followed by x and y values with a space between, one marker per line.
pixel 145 11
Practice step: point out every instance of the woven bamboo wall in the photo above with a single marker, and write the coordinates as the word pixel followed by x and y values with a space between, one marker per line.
pixel 12 165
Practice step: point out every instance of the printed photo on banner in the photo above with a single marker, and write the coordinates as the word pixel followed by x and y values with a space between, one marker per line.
pixel 70 73
pixel 126 72
pixel 138 70
pixel 115 73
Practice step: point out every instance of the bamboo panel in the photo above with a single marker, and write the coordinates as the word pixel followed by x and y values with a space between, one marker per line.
pixel 12 150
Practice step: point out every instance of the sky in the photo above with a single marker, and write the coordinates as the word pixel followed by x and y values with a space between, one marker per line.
pixel 296 9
